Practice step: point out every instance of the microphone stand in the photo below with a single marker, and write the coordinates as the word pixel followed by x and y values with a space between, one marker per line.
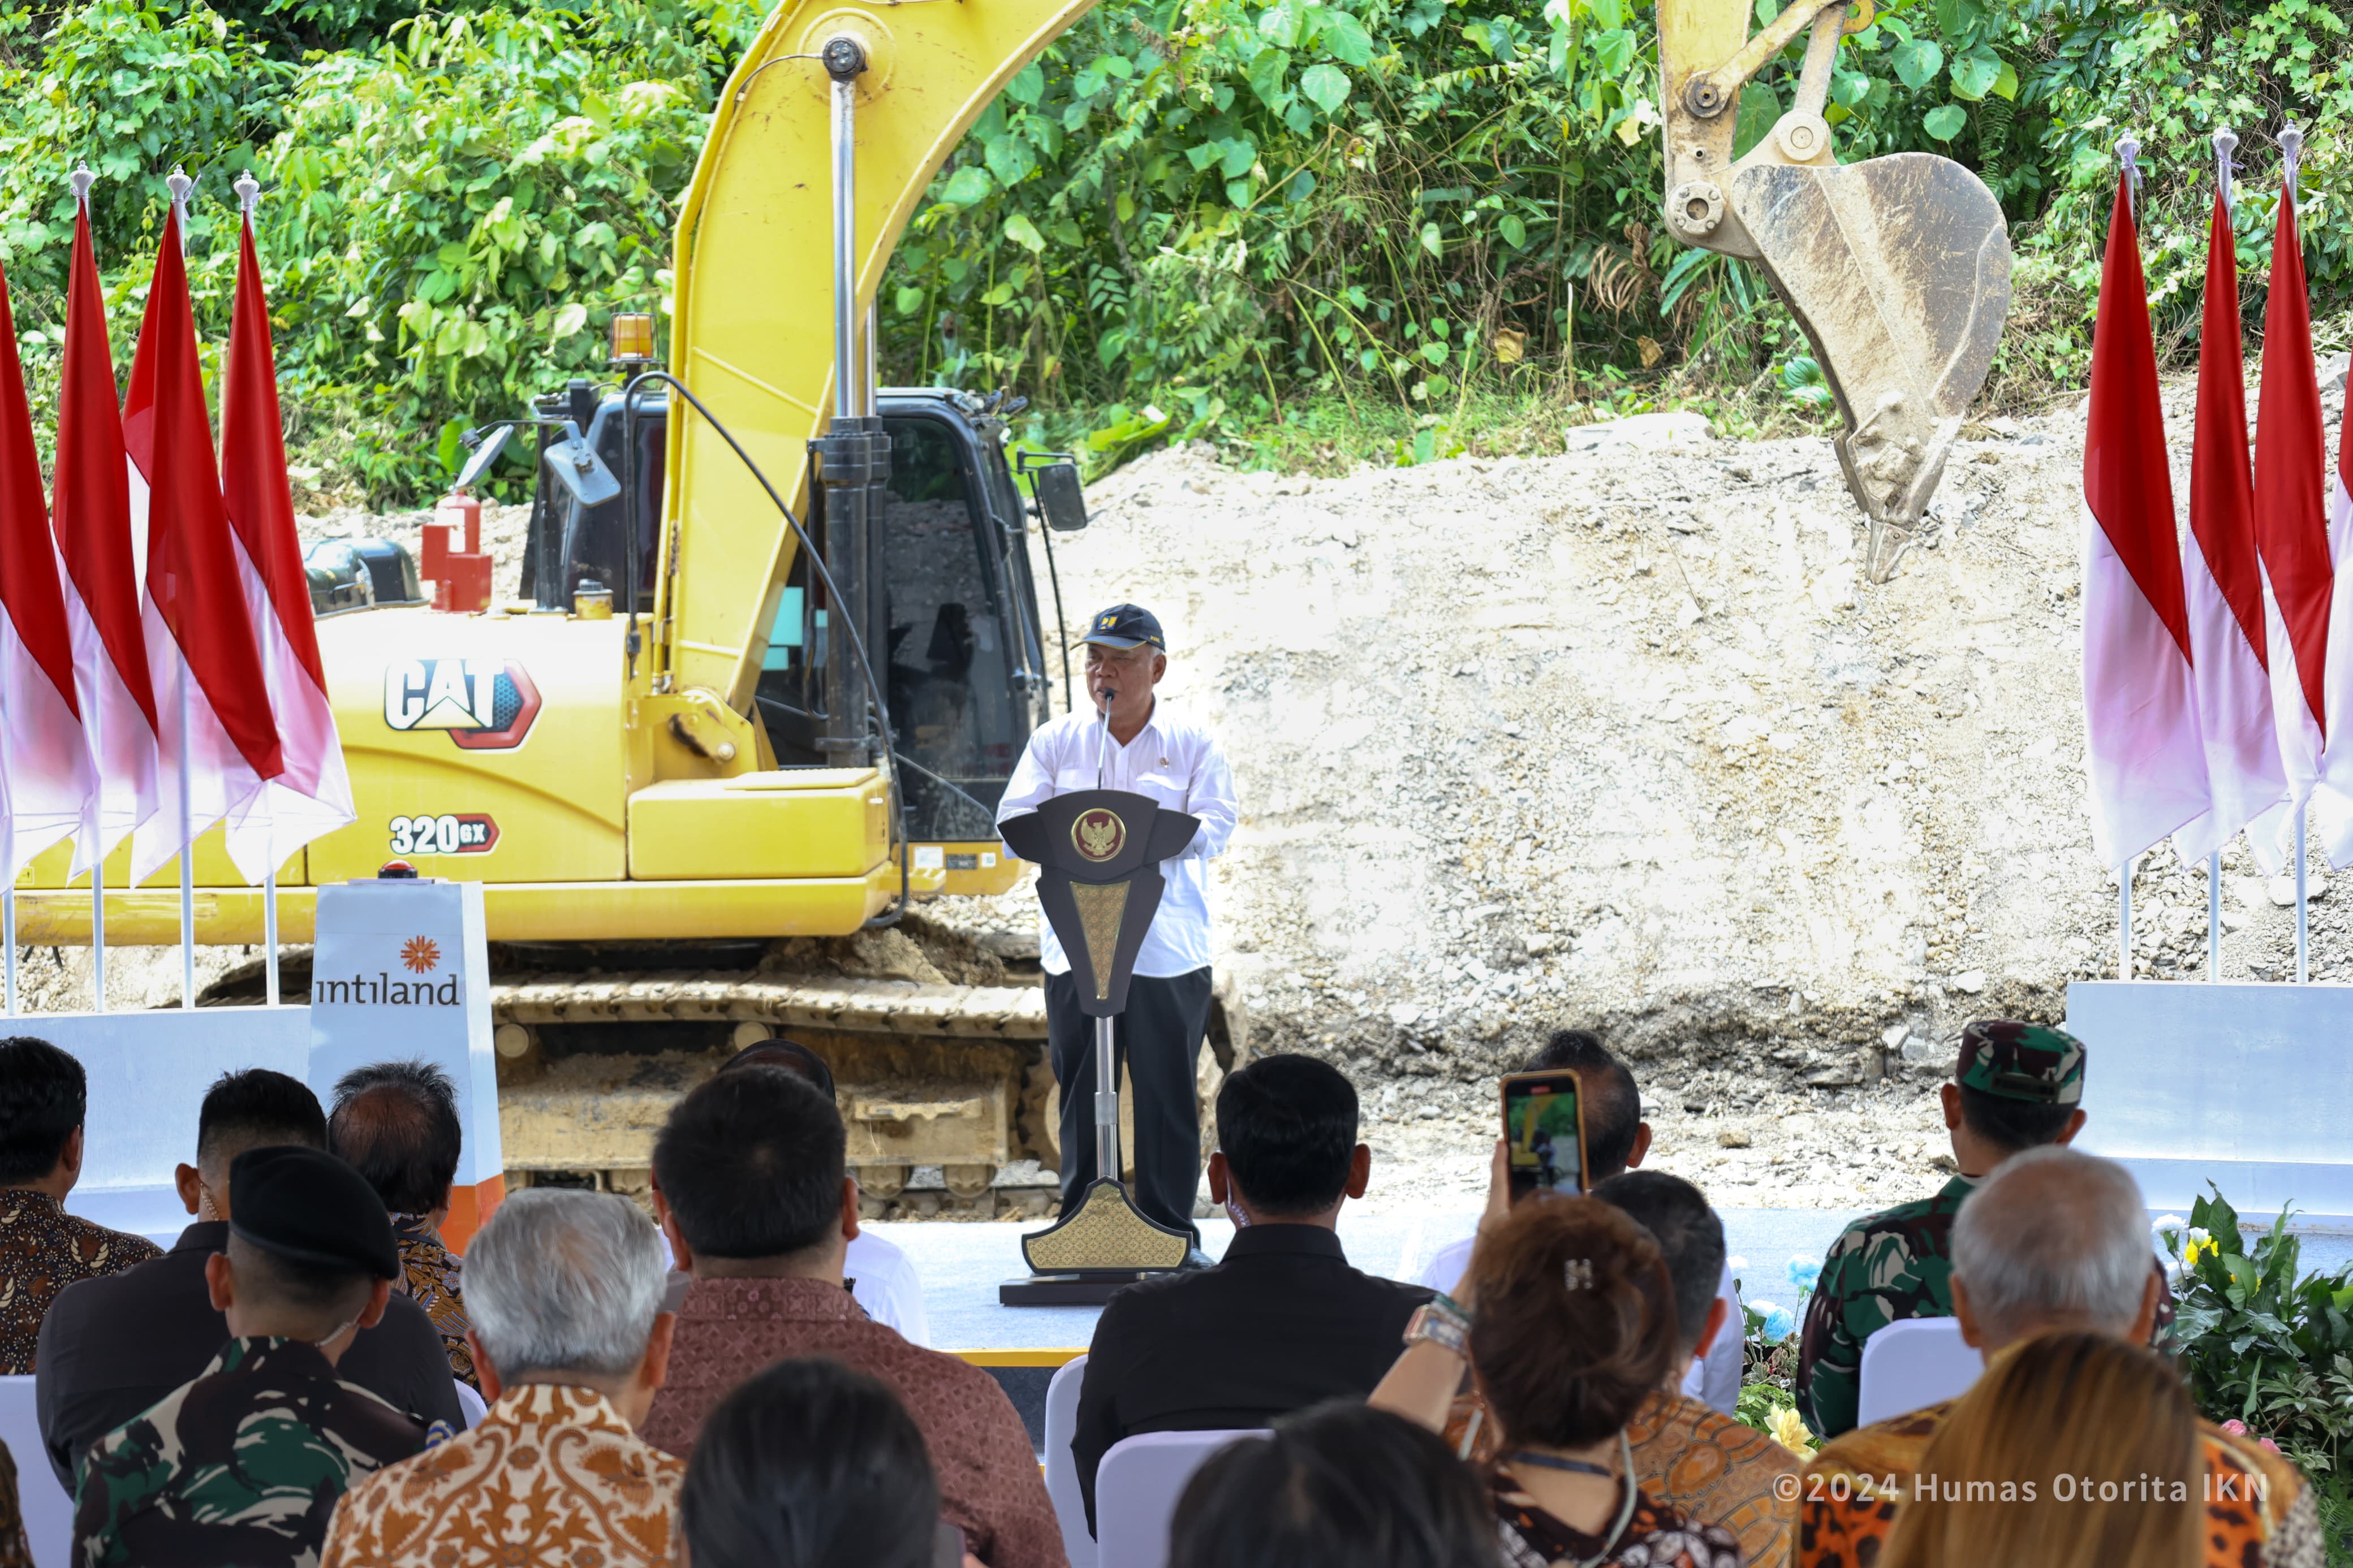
pixel 1107 1052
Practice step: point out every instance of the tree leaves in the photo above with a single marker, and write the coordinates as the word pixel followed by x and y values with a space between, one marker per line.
pixel 968 186
pixel 1945 121
pixel 1325 86
pixel 1917 61
pixel 1975 73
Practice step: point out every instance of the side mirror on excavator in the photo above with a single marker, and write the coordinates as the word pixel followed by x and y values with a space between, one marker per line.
pixel 487 443
pixel 574 464
pixel 1054 480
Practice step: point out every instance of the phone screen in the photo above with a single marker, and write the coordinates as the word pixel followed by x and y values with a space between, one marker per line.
pixel 1545 1127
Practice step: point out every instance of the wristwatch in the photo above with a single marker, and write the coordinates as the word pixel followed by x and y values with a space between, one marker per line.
pixel 1442 1322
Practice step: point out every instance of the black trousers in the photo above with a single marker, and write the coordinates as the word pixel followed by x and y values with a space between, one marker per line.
pixel 1158 1039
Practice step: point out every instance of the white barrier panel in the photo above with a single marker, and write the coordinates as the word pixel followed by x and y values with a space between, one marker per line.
pixel 402 969
pixel 2187 1082
pixel 148 1073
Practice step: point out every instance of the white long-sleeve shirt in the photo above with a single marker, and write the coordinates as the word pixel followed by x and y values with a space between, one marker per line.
pixel 1176 762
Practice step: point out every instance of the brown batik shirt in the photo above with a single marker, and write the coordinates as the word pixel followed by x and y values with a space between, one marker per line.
pixel 43 1250
pixel 989 1485
pixel 430 1274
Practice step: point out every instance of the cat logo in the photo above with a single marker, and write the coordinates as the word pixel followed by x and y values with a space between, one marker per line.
pixel 485 704
pixel 1098 833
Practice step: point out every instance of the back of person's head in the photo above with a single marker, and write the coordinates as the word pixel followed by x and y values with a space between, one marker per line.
pixel 1613 1105
pixel 2053 1237
pixel 790 1055
pixel 308 1239
pixel 43 1095
pixel 2020 1084
pixel 809 1465
pixel 255 1108
pixel 751 1164
pixel 562 1281
pixel 2105 1432
pixel 1338 1485
pixel 397 1123
pixel 1287 1126
pixel 1690 1236
pixel 1575 1325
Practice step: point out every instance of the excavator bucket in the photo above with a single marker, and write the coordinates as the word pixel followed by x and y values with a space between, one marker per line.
pixel 1898 269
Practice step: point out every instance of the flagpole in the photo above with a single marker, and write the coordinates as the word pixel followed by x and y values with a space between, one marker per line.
pixel 248 194
pixel 82 179
pixel 2226 141
pixel 2124 922
pixel 2291 140
pixel 179 185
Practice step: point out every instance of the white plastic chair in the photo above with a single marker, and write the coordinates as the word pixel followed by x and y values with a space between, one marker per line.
pixel 470 1403
pixel 1136 1489
pixel 1912 1364
pixel 1061 1469
pixel 48 1511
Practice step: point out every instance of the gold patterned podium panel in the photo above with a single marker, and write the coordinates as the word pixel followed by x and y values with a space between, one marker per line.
pixel 1106 1232
pixel 1101 904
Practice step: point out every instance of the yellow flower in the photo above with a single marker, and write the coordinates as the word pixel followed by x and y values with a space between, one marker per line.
pixel 2198 1249
pixel 1789 1431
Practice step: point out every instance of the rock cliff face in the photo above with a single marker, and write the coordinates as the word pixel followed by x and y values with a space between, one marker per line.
pixel 1621 738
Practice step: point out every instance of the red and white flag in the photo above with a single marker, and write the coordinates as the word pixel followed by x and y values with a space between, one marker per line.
pixel 48 784
pixel 2140 715
pixel 219 742
pixel 90 513
pixel 2222 580
pixel 314 796
pixel 2292 529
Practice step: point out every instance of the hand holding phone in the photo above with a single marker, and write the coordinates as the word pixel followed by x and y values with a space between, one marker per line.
pixel 1544 1133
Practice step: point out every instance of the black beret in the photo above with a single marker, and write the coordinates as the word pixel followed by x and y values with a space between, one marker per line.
pixel 306 1205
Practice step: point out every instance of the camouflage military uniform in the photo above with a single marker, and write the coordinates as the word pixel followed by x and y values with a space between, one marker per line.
pixel 242 1468
pixel 1899 1264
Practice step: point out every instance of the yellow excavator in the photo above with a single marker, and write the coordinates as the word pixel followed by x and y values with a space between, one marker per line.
pixel 780 646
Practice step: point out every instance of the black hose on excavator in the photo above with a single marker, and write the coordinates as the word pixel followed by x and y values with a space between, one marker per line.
pixel 833 596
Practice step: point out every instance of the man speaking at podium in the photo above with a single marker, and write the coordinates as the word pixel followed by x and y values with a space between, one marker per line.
pixel 1151 752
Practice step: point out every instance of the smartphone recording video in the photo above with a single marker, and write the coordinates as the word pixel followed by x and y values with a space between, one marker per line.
pixel 1544 1122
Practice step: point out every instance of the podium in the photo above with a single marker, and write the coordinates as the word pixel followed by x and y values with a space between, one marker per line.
pixel 1098 853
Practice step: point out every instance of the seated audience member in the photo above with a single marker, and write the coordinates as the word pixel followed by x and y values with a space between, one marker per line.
pixel 881 1274
pixel 2077 1448
pixel 2054 1240
pixel 1340 1486
pixel 396 1123
pixel 2015 1086
pixel 245 1465
pixel 570 1338
pixel 1283 1322
pixel 113 1347
pixel 759 1207
pixel 1616 1140
pixel 811 1465
pixel 43 1250
pixel 1568 1322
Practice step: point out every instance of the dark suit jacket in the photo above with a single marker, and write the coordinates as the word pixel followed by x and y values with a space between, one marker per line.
pixel 1281 1323
pixel 112 1348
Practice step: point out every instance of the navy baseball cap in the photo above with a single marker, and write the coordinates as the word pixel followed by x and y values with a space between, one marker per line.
pixel 1125 626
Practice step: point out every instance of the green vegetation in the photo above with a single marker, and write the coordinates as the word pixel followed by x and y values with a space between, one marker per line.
pixel 1314 232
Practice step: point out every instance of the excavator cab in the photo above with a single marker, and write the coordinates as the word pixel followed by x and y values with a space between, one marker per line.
pixel 1896 268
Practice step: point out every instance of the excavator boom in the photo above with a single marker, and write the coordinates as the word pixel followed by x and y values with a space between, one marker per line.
pixel 1896 268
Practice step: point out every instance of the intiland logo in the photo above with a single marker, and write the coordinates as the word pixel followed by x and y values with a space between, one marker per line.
pixel 421 956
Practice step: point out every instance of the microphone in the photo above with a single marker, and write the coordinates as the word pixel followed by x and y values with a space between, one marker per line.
pixel 1102 752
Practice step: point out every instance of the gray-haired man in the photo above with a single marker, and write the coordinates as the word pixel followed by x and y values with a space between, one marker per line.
pixel 566 1289
pixel 2054 1240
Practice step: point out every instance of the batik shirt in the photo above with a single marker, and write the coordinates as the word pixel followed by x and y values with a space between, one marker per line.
pixel 43 1250
pixel 243 1465
pixel 552 1479
pixel 1691 1457
pixel 429 1274
pixel 1656 1536
pixel 14 1552
pixel 2259 1513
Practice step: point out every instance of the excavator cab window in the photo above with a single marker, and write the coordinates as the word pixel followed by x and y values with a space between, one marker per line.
pixel 593 541
pixel 956 631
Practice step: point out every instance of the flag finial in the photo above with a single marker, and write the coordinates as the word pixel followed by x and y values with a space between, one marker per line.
pixel 2129 154
pixel 248 192
pixel 82 179
pixel 2291 143
pixel 2226 141
pixel 179 185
